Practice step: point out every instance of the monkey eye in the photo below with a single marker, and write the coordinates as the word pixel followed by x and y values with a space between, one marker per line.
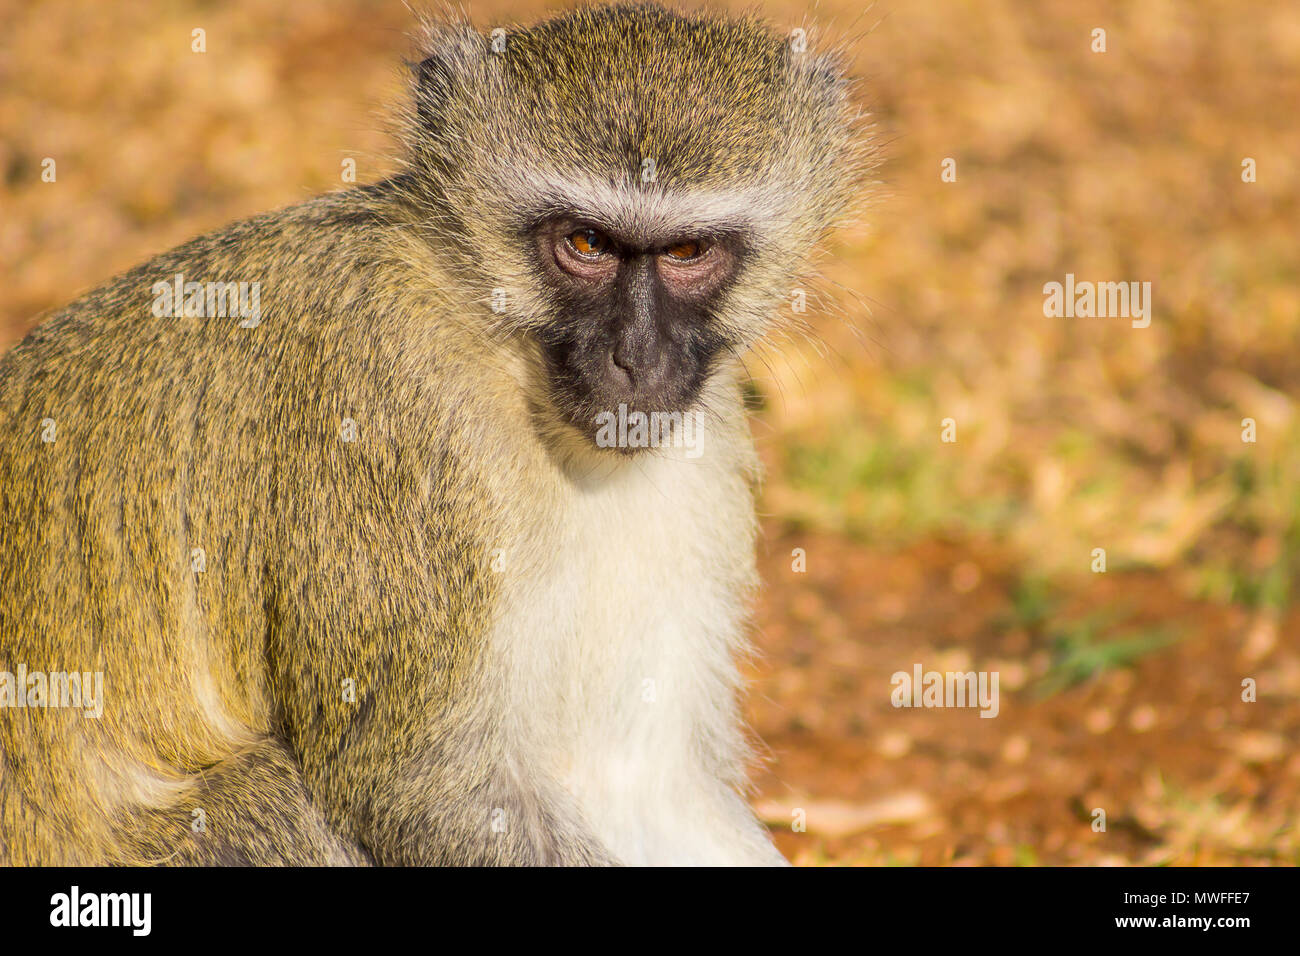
pixel 588 242
pixel 686 251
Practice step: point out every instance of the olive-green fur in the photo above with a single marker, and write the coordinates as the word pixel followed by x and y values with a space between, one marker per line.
pixel 317 691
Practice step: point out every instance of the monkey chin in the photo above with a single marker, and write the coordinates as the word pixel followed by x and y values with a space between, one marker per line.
pixel 591 441
pixel 629 430
pixel 594 424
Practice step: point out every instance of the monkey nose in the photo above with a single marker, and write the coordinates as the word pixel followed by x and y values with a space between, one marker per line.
pixel 636 368
pixel 618 369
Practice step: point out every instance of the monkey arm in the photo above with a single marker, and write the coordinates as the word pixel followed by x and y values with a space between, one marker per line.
pixel 388 723
pixel 379 609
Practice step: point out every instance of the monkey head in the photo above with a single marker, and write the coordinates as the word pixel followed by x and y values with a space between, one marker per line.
pixel 633 189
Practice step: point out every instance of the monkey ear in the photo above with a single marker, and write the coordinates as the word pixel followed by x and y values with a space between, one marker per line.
pixel 434 83
pixel 827 70
pixel 448 52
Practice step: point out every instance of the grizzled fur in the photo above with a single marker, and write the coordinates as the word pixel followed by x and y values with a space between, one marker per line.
pixel 431 624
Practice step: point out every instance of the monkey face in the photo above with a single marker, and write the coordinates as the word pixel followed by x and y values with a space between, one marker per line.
pixel 634 189
pixel 633 325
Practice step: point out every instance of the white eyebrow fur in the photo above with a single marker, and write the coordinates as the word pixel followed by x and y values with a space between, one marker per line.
pixel 648 210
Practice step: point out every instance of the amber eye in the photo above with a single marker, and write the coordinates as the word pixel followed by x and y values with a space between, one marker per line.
pixel 684 251
pixel 588 242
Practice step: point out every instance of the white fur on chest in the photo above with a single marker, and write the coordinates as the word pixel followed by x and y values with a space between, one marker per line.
pixel 618 648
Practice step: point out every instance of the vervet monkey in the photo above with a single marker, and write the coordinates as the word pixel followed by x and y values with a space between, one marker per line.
pixel 382 565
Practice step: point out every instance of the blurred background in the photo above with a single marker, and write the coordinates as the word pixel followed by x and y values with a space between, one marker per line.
pixel 1120 690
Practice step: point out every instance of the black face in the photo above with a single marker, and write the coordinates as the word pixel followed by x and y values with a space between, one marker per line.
pixel 634 325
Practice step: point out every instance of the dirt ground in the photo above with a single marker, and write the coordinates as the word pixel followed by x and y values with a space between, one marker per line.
pixel 1186 772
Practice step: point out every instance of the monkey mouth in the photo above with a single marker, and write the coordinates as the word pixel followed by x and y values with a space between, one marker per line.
pixel 631 430
pixel 619 412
